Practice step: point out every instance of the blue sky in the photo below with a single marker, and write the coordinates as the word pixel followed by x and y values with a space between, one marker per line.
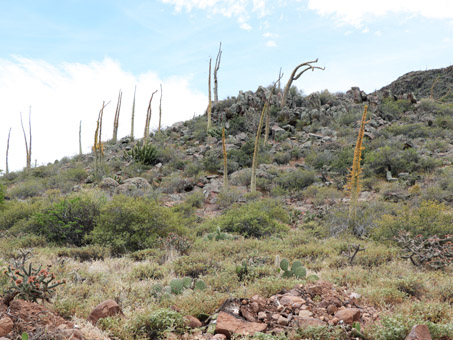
pixel 64 58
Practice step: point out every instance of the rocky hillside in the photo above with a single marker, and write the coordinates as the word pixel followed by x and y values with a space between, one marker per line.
pixel 154 241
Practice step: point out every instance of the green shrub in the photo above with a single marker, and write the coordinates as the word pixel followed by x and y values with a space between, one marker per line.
pixel 254 219
pixel 29 188
pixel 430 218
pixel 394 108
pixel 129 224
pixel 155 325
pixel 147 271
pixel 67 221
pixel 297 180
pixel 82 254
pixel 2 196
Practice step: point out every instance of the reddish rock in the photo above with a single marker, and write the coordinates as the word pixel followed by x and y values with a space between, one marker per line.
pixel 262 315
pixel 219 337
pixel 255 307
pixel 193 322
pixel 348 315
pixel 103 310
pixel 419 332
pixel 306 322
pixel 247 315
pixel 289 300
pixel 228 324
pixel 305 313
pixel 6 325
pixel 332 309
pixel 282 321
pixel 314 290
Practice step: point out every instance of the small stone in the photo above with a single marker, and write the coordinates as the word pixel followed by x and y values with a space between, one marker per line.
pixel 314 290
pixel 282 321
pixel 275 316
pixel 348 315
pixel 290 300
pixel 6 325
pixel 103 310
pixel 332 309
pixel 261 315
pixel 335 320
pixel 419 332
pixel 255 307
pixel 219 337
pixel 355 296
pixel 193 322
pixel 305 313
pixel 307 322
pixel 280 308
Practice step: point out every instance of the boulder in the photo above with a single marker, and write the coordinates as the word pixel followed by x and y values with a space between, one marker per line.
pixel 289 300
pixel 103 310
pixel 6 325
pixel 348 315
pixel 419 332
pixel 308 322
pixel 228 325
pixel 135 186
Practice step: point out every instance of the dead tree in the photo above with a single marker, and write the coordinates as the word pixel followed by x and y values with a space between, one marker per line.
pixel 216 68
pixel 80 138
pixel 160 109
pixel 209 98
pixel 294 76
pixel 27 143
pixel 7 152
pixel 148 119
pixel 117 117
pixel 133 115
pixel 98 147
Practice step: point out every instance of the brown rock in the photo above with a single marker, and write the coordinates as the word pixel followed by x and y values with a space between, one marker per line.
pixel 306 322
pixel 261 315
pixel 103 310
pixel 6 325
pixel 219 337
pixel 305 313
pixel 332 309
pixel 282 321
pixel 247 314
pixel 255 307
pixel 289 300
pixel 348 315
pixel 419 332
pixel 228 324
pixel 314 290
pixel 193 322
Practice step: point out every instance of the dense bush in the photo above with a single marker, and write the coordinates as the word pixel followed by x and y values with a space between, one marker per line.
pixel 254 219
pixel 68 221
pixel 2 196
pixel 17 213
pixel 296 180
pixel 430 218
pixel 156 324
pixel 29 188
pixel 129 224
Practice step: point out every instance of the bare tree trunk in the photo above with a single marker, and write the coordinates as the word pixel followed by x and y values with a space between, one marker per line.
pixel 225 166
pixel 148 119
pixel 7 151
pixel 210 102
pixel 216 68
pixel 98 147
pixel 267 128
pixel 294 76
pixel 133 115
pixel 27 143
pixel 160 109
pixel 80 138
pixel 117 118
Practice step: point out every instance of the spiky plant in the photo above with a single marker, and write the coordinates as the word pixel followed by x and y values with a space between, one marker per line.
pixel 353 184
pixel 146 154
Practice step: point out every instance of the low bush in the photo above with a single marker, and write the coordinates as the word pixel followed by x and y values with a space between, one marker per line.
pixel 297 180
pixel 129 224
pixel 156 324
pixel 255 219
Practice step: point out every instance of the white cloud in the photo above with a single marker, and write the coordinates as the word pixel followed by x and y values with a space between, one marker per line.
pixel 271 43
pixel 270 35
pixel 355 12
pixel 241 10
pixel 60 96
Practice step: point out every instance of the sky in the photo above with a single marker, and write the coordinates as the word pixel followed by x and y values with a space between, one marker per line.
pixel 61 59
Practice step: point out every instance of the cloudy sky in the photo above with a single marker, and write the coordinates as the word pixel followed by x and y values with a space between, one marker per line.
pixel 64 58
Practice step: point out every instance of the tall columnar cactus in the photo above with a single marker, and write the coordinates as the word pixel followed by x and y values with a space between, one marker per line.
pixel 160 109
pixel 117 117
pixel 27 143
pixel 225 165
pixel 216 69
pixel 133 114
pixel 209 98
pixel 7 152
pixel 353 184
pixel 148 119
pixel 297 270
pixel 80 138
pixel 98 147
